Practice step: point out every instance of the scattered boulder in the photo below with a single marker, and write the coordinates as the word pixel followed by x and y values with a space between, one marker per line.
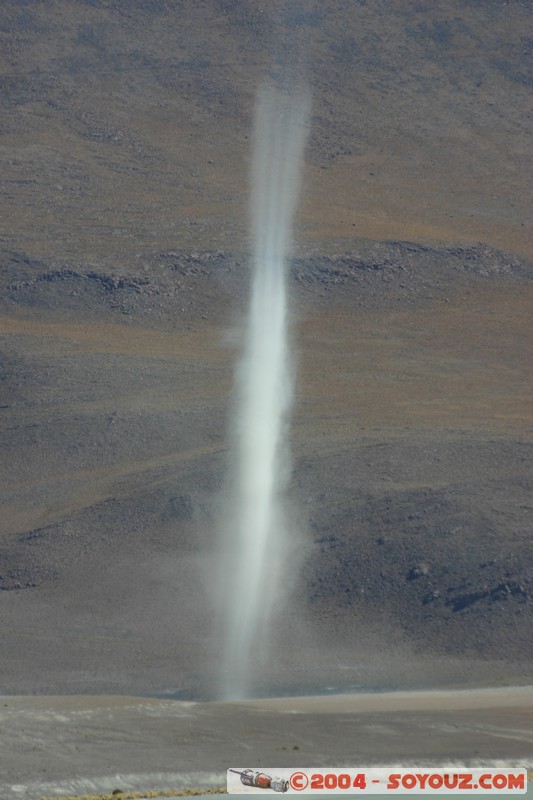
pixel 418 571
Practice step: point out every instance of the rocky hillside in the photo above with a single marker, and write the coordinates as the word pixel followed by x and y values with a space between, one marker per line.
pixel 124 255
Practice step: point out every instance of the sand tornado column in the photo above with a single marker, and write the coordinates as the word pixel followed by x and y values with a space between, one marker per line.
pixel 257 537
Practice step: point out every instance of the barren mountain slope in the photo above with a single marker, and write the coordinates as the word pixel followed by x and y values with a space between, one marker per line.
pixel 125 155
pixel 125 126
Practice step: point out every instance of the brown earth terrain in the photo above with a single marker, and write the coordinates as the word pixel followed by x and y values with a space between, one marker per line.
pixel 125 153
pixel 81 745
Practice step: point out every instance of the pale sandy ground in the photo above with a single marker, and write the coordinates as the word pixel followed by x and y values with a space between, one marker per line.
pixel 78 744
